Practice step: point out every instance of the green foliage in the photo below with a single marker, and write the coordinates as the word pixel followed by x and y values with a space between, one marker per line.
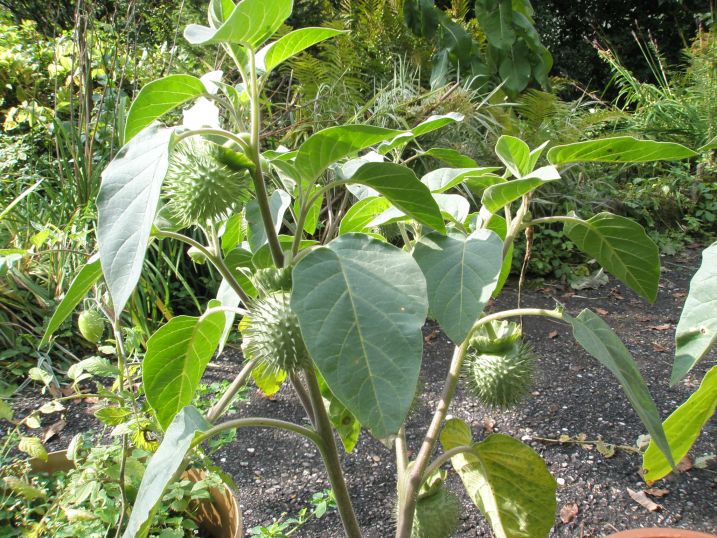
pixel 283 527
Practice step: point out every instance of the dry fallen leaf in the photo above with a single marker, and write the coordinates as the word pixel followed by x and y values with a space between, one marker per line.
pixel 643 318
pixel 643 500
pixel 429 338
pixel 659 348
pixel 602 311
pixel 568 512
pixel 684 465
pixel 663 327
pixel 657 492
pixel 553 334
pixel 52 430
pixel 488 424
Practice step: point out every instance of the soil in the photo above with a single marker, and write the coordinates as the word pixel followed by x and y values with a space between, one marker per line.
pixel 572 394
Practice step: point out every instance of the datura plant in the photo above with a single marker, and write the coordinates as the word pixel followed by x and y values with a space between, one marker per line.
pixel 325 304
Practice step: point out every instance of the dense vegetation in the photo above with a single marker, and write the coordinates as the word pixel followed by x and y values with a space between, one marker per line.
pixel 452 88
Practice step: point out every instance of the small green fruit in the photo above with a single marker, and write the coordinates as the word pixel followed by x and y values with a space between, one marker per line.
pixel 92 325
pixel 273 336
pixel 437 516
pixel 271 279
pixel 501 379
pixel 199 186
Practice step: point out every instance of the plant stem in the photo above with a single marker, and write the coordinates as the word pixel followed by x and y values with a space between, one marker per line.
pixel 123 497
pixel 303 397
pixel 239 381
pixel 444 458
pixel 258 422
pixel 401 454
pixel 330 455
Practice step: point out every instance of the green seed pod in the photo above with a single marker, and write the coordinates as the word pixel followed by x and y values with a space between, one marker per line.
pixel 236 160
pixel 199 187
pixel 501 379
pixel 437 516
pixel 92 325
pixel 271 279
pixel 272 334
pixel 495 337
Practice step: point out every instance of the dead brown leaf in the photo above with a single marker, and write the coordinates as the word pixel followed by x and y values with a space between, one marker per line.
pixel 568 512
pixel 53 429
pixel 679 294
pixel 602 311
pixel 657 492
pixel 663 327
pixel 54 391
pixel 642 318
pixel 684 465
pixel 553 334
pixel 488 424
pixel 643 500
pixel 659 348
pixel 429 338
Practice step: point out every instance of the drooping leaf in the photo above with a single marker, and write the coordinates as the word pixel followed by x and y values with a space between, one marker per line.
pixel 335 143
pixel 697 328
pixel 461 273
pixel 682 428
pixel 78 290
pixel 507 480
pixel 499 195
pixel 32 446
pixel 514 154
pixel 159 97
pixel 176 357
pixel 163 468
pixel 431 124
pixel 126 207
pixel 442 179
pixel 341 418
pixel 596 337
pixel 619 149
pixel 279 202
pixel 404 190
pixel 267 378
pixel 290 45
pixel 362 325
pixel 250 23
pixel 621 247
pixel 360 215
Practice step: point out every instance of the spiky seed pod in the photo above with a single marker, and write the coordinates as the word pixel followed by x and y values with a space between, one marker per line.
pixel 199 186
pixel 271 279
pixel 503 378
pixel 436 516
pixel 273 336
pixel 495 337
pixel 92 325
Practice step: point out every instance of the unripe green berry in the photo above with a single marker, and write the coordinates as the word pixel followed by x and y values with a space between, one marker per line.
pixel 501 379
pixel 92 325
pixel 273 336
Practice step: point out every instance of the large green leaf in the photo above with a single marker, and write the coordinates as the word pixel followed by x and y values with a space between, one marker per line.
pixel 507 480
pixel 251 23
pixel 79 287
pixel 596 337
pixel 619 149
pixel 291 44
pixel 451 157
pixel 404 190
pixel 330 145
pixel 163 468
pixel 126 207
pixel 360 215
pixel 361 304
pixel 515 68
pixel 176 357
pixel 461 273
pixel 499 195
pixel 621 247
pixel 514 154
pixel 496 20
pixel 431 124
pixel 682 428
pixel 159 97
pixel 697 328
pixel 443 179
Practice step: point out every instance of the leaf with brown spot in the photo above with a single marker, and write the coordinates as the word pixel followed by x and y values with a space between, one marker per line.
pixel 643 500
pixel 53 429
pixel 569 512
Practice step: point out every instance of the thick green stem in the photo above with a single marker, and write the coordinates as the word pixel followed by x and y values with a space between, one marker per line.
pixel 239 381
pixel 257 422
pixel 330 455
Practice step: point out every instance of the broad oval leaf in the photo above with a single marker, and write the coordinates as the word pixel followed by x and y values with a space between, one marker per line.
pixel 697 328
pixel 461 273
pixel 431 124
pixel 250 23
pixel 451 157
pixel 126 207
pixel 514 154
pixel 621 247
pixel 682 428
pixel 442 179
pixel 360 215
pixel 404 190
pixel 330 145
pixel 499 195
pixel 159 97
pixel 176 357
pixel 164 466
pixel 507 480
pixel 596 337
pixel 619 149
pixel 453 206
pixel 291 44
pixel 79 287
pixel 361 304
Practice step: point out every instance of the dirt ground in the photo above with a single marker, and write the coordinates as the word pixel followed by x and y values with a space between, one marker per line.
pixel 572 394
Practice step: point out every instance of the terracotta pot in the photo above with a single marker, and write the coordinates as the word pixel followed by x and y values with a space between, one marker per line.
pixel 220 518
pixel 661 533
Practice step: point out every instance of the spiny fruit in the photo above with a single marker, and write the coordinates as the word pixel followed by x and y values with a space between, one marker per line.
pixel 437 515
pixel 92 325
pixel 272 279
pixel 501 378
pixel 495 336
pixel 201 184
pixel 272 334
